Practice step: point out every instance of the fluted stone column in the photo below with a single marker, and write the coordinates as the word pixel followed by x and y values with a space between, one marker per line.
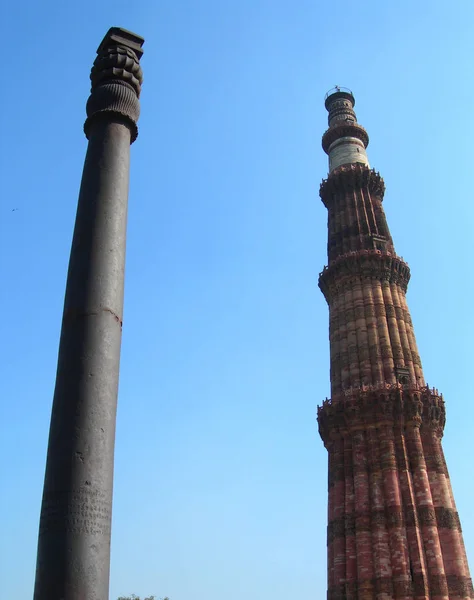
pixel 393 530
pixel 74 534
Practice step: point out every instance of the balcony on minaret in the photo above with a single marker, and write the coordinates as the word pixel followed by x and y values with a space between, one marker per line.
pixel 379 241
pixel 403 375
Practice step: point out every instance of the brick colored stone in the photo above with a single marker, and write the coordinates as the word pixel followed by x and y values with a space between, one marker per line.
pixel 393 528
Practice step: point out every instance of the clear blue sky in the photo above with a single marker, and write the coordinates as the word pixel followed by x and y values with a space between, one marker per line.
pixel 220 484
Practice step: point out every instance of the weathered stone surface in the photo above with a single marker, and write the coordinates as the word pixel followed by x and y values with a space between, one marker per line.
pixel 393 527
pixel 74 533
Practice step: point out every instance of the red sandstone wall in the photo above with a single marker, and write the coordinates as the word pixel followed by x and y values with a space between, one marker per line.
pixel 393 529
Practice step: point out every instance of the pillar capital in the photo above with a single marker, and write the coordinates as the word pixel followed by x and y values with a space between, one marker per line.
pixel 116 80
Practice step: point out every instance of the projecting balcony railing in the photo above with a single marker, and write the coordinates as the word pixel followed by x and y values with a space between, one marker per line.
pixel 336 89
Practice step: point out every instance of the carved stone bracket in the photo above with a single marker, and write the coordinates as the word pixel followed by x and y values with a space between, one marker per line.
pixel 369 264
pixel 372 406
pixel 116 78
pixel 347 178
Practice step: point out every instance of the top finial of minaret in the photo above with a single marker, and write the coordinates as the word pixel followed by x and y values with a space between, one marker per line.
pixel 339 102
pixel 345 141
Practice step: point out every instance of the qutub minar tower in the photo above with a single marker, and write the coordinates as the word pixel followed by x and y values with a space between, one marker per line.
pixel 393 528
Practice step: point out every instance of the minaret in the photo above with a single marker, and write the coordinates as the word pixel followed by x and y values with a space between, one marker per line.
pixel 74 534
pixel 393 528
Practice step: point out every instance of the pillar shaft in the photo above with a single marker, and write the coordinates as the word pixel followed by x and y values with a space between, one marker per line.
pixel 75 522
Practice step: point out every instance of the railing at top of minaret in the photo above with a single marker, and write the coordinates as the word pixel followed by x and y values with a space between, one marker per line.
pixel 336 89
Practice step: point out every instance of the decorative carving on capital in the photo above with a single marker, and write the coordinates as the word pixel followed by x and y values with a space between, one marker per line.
pixel 347 178
pixel 363 264
pixel 380 405
pixel 116 79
